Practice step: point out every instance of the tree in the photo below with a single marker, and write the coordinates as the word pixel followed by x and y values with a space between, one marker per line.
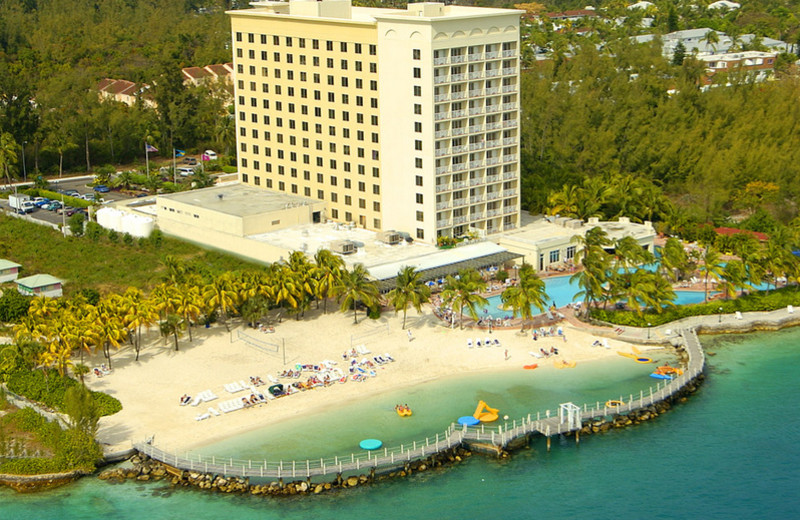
pixel 595 263
pixel 409 290
pixel 81 410
pixel 172 325
pixel 712 267
pixel 8 154
pixel 463 291
pixel 355 286
pixel 328 271
pixel 679 54
pixel 529 292
pixel 674 260
pixel 220 295
pixel 712 39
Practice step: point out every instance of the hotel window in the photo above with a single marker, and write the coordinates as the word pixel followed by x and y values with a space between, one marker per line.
pixel 417 127
pixel 373 50
pixel 263 39
pixel 334 197
pixel 348 216
pixel 376 189
pixel 376 206
pixel 282 186
pixel 376 223
pixel 315 44
pixel 376 172
pixel 417 90
pixel 276 40
pixel 420 216
pixel 419 198
pixel 329 63
pixel 239 54
pixel 320 195
pixel 294 188
pixel 418 162
pixel 244 179
pixel 269 183
pixel 570 252
pixel 238 36
pixel 420 233
pixel 288 41
pixel 417 144
pixel 264 55
pixel 416 54
pixel 419 180
pixel 307 191
pixel 362 186
pixel 348 201
pixel 334 213
pixel 554 255
pixel 343 46
pixel 329 45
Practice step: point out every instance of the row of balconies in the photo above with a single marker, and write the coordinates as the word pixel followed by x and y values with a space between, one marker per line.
pixel 489 161
pixel 474 129
pixel 461 58
pixel 495 143
pixel 465 76
pixel 475 111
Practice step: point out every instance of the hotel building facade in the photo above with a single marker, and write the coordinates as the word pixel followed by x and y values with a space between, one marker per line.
pixel 397 119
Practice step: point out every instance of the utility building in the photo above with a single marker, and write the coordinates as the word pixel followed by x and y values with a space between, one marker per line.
pixel 401 120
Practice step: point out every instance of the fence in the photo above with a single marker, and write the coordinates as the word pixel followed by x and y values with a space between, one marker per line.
pixel 454 435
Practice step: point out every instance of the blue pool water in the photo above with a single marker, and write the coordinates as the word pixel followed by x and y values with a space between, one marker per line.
pixel 713 457
pixel 562 291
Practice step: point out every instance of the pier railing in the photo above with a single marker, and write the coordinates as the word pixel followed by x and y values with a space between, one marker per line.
pixel 546 424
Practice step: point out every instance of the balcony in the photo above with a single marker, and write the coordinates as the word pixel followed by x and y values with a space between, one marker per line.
pixel 442 169
pixel 459 202
pixel 459 167
pixel 475 200
pixel 509 71
pixel 509 88
pixel 510 158
pixel 475 57
pixel 442 133
pixel 476 216
pixel 492 213
pixel 476 146
pixel 476 164
pixel 441 61
pixel 492 55
pixel 459 149
pixel 442 187
pixel 509 54
pixel 492 90
pixel 474 111
pixel 459 131
pixel 459 220
pixel 509 106
pixel 440 79
pixel 490 73
pixel 475 181
pixel 458 59
pixel 458 77
pixel 493 195
pixel 442 223
pixel 441 97
pixel 442 151
pixel 492 178
pixel 475 92
pixel 459 184
pixel 492 160
pixel 509 193
pixel 458 95
pixel 509 176
pixel 490 109
pixel 509 209
pixel 458 113
pixel 511 123
pixel 493 144
pixel 493 126
pixel 438 116
pixel 476 75
pixel 443 205
pixel 475 129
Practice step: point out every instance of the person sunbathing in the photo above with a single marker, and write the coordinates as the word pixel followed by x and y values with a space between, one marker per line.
pixel 185 399
pixel 245 402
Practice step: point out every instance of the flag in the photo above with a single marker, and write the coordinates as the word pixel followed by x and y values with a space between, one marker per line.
pixel 178 153
pixel 205 157
pixel 150 148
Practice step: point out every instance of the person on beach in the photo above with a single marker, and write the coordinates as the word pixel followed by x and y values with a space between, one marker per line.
pixel 410 336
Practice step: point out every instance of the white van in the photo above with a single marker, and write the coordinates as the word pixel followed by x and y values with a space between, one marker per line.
pixel 185 171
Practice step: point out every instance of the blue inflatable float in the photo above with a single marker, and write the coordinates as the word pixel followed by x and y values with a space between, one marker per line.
pixel 370 444
pixel 468 420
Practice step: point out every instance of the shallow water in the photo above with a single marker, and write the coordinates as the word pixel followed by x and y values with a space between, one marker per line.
pixel 730 452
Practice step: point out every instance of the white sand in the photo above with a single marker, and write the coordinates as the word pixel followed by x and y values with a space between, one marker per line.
pixel 150 388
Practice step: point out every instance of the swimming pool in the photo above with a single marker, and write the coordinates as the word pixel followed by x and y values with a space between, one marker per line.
pixel 561 292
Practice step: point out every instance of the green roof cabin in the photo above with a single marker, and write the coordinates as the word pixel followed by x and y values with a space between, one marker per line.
pixel 40 285
pixel 8 270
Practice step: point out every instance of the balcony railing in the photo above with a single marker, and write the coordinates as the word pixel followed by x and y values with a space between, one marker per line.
pixel 442 151
pixel 490 109
pixel 476 164
pixel 492 90
pixel 441 97
pixel 440 79
pixel 490 73
pixel 458 113
pixel 475 92
pixel 476 75
pixel 459 167
pixel 442 187
pixel 510 158
pixel 458 77
pixel 509 71
pixel 441 61
pixel 458 95
pixel 492 55
pixel 443 205
pixel 511 123
pixel 492 126
pixel 459 184
pixel 459 131
pixel 509 88
pixel 442 133
pixel 438 116
pixel 475 57
pixel 493 143
pixel 442 169
pixel 509 106
pixel 476 146
pixel 509 54
pixel 460 58
pixel 474 111
pixel 475 128
pixel 492 178
pixel 509 140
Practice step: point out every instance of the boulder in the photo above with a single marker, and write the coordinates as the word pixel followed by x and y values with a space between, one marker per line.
pixel 352 481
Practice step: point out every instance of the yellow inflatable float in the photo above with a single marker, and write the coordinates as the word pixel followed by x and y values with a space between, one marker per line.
pixel 484 413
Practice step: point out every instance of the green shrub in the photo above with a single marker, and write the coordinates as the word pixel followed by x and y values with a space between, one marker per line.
pixel 374 313
pixel 127 239
pixel 92 295
pixel 113 236
pixel 13 306
pixel 75 224
pixel 94 231
pixel 501 275
pixel 53 195
pixel 48 388
pixel 230 169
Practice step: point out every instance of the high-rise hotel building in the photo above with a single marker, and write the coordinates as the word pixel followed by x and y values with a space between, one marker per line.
pixel 398 119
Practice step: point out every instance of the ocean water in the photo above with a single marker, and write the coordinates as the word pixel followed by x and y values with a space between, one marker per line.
pixel 731 451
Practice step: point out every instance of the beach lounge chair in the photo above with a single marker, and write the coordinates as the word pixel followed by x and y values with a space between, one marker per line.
pixel 790 309
pixel 197 400
pixel 605 343
pixel 208 395
pixel 202 417
pixel 469 342
pixel 537 355
pixel 478 342
pixel 390 358
pixel 273 379
pixel 496 342
pixel 549 314
pixel 738 315
pixel 487 342
pixel 362 349
pixel 233 387
pixel 212 411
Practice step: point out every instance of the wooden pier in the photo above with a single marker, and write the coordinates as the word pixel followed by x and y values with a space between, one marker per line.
pixel 569 418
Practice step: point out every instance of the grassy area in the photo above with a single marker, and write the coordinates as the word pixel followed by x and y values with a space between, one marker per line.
pixel 103 265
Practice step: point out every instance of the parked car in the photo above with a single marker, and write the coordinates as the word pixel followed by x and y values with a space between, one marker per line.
pixel 72 211
pixel 185 171
pixel 211 154
pixel 52 205
pixel 72 193
pixel 88 196
pixel 102 188
pixel 40 201
pixel 65 209
pixel 190 161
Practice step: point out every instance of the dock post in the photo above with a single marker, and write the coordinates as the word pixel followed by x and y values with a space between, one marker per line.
pixel 548 443
pixel 577 437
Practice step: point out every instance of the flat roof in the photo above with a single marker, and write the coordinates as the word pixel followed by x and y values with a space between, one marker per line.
pixel 238 199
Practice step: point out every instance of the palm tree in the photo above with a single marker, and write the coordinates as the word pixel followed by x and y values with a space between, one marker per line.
pixel 328 272
pixel 734 278
pixel 712 38
pixel 647 289
pixel 305 282
pixel 409 290
pixel 355 286
pixel 138 313
pixel 630 253
pixel 220 295
pixel 254 308
pixel 463 290
pixel 187 305
pixel 172 325
pixel 8 154
pixel 564 202
pixel 283 286
pixel 530 291
pixel 674 260
pixel 595 263
pixel 711 267
pixel 108 327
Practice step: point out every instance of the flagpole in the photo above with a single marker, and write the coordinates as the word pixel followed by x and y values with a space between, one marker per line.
pixel 174 168
pixel 147 159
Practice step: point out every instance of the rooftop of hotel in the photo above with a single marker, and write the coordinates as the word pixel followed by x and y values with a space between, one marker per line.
pixel 541 230
pixel 343 9
pixel 238 200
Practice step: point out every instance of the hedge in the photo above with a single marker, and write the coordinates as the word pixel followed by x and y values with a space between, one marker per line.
pixel 757 301
pixel 52 195
pixel 48 387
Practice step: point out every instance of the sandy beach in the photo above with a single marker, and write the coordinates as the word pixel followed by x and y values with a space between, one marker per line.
pixel 150 388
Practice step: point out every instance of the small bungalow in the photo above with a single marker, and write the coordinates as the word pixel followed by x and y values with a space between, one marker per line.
pixel 8 270
pixel 40 285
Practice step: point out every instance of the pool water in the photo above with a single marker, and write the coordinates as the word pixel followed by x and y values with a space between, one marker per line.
pixel 561 292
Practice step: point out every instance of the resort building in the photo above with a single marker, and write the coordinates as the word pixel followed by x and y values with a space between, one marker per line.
pixel 547 242
pixel 40 285
pixel 8 270
pixel 396 119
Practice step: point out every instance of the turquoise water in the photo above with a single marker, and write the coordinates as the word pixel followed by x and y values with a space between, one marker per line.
pixel 730 452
